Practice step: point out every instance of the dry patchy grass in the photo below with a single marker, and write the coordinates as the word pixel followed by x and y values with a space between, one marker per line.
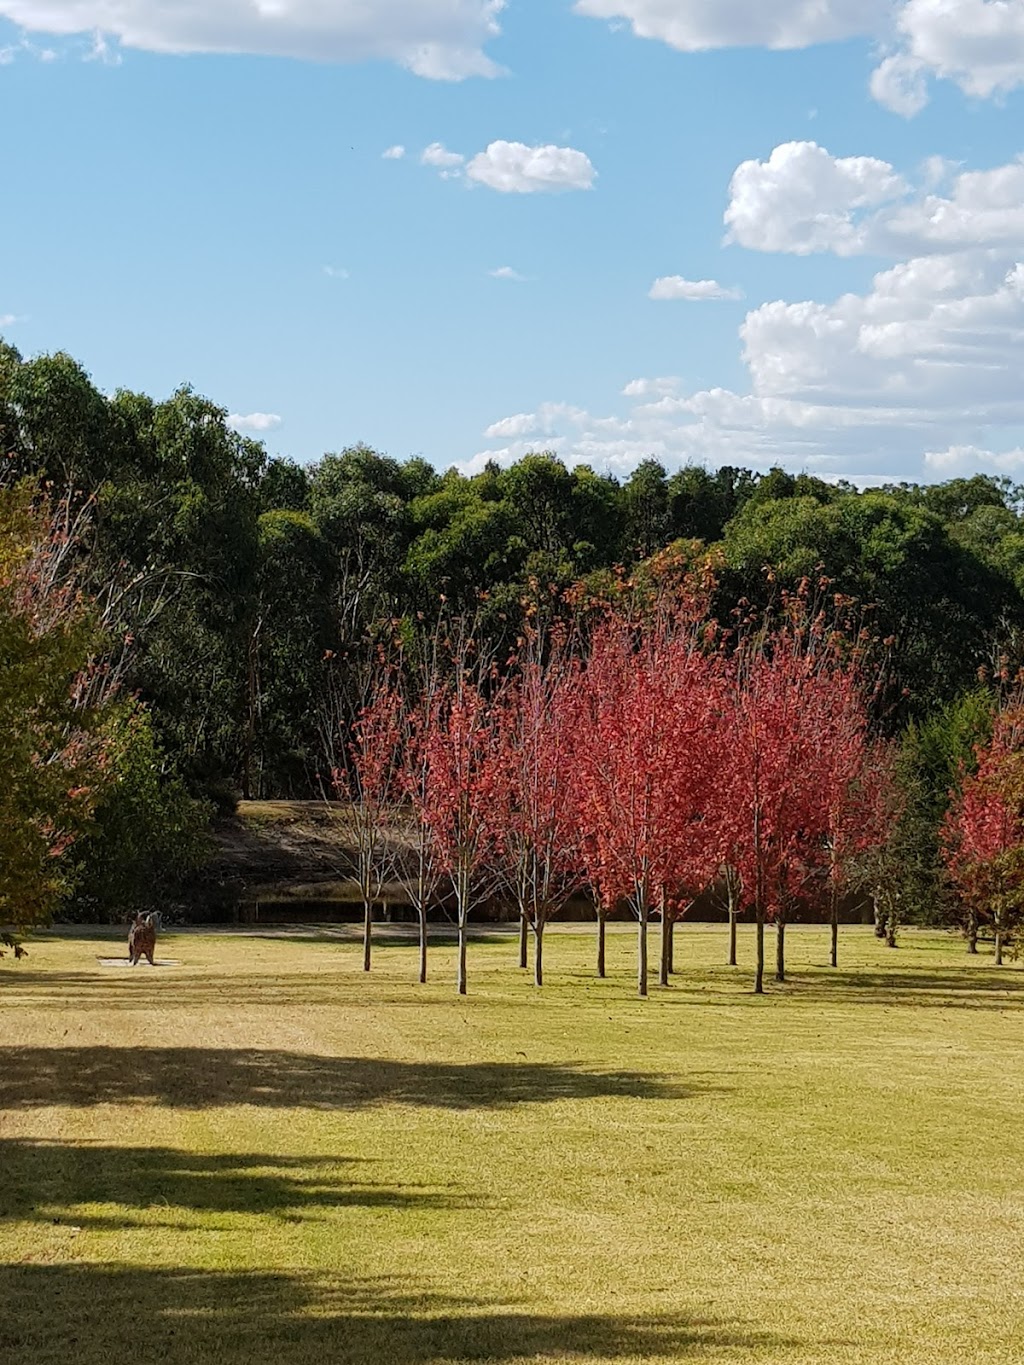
pixel 262 1154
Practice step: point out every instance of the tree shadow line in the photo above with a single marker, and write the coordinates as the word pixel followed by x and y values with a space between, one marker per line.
pixel 99 1313
pixel 201 1078
pixel 126 988
pixel 51 1181
pixel 971 987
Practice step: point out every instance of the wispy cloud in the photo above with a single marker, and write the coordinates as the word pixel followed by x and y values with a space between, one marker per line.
pixel 254 421
pixel 506 272
pixel 691 291
pixel 439 156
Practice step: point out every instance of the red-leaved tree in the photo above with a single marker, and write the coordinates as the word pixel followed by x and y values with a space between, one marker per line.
pixel 370 791
pixel 645 763
pixel 540 853
pixel 983 834
pixel 460 796
pixel 787 681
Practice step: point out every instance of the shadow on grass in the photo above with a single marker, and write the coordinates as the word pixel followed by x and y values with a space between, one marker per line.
pixel 48 1182
pixel 971 987
pixel 200 1078
pixel 137 988
pixel 98 1313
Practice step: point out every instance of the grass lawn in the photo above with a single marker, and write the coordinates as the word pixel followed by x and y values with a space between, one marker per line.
pixel 261 1155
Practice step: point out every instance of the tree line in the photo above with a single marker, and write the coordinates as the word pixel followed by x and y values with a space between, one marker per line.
pixel 228 608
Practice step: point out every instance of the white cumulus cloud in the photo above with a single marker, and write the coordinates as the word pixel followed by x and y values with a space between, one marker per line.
pixel 254 421
pixel 693 291
pixel 439 39
pixel 916 376
pixel 699 25
pixel 978 44
pixel 803 199
pixel 955 460
pixel 394 153
pixel 515 168
pixel 506 272
pixel 900 83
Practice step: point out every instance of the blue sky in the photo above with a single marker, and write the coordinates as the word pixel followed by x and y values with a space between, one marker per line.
pixel 830 197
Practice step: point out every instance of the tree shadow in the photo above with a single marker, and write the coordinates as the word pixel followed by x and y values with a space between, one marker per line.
pixel 135 988
pixel 100 1313
pixel 49 1182
pixel 977 988
pixel 201 1078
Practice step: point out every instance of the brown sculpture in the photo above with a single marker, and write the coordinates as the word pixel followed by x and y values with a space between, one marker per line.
pixel 142 939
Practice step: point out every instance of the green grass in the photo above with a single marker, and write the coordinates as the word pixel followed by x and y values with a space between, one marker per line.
pixel 262 1155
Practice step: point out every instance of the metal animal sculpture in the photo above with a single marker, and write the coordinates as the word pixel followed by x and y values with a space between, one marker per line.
pixel 142 939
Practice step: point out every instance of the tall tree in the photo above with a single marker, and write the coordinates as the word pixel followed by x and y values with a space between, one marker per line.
pixel 541 860
pixel 460 795
pixel 55 691
pixel 983 834
pixel 787 680
pixel 370 791
pixel 645 760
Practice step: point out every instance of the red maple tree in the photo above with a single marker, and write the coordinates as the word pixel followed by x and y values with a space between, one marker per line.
pixel 370 792
pixel 645 762
pixel 983 833
pixel 460 797
pixel 786 773
pixel 541 857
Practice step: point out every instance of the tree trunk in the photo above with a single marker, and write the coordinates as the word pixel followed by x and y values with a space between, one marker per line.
pixel 423 946
pixel 367 933
pixel 462 955
pixel 972 933
pixel 759 977
pixel 671 947
pixel 641 955
pixel 462 910
pixel 835 928
pixel 524 937
pixel 732 936
pixel 538 954
pixel 999 944
pixel 600 943
pixel 780 950
pixel 666 949
pixel 891 926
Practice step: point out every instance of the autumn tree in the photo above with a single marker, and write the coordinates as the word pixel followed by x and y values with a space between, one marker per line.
pixel 418 865
pixel 541 860
pixel 983 834
pixel 645 761
pixel 369 788
pixel 461 793
pixel 788 681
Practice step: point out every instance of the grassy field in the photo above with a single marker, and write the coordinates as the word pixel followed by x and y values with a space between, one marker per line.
pixel 261 1155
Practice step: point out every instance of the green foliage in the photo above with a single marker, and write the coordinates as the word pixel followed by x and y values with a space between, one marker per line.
pixel 252 595
pixel 934 754
pixel 942 608
pixel 52 760
pixel 148 833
